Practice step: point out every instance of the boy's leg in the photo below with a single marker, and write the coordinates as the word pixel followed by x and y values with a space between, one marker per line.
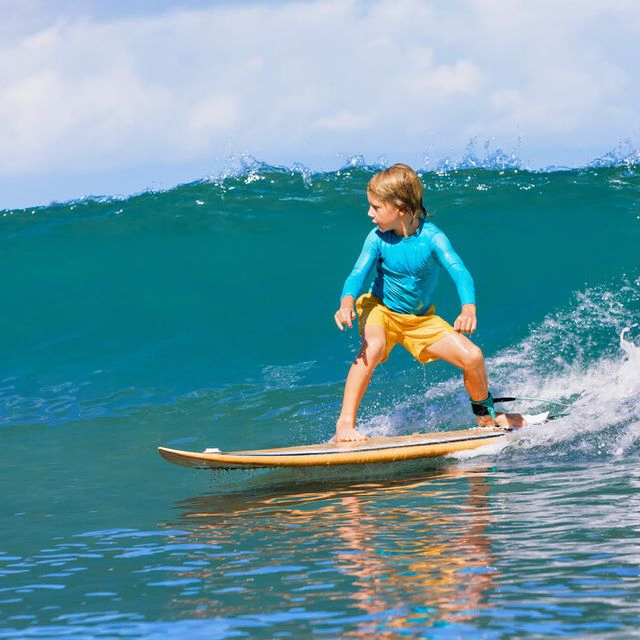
pixel 464 354
pixel 372 352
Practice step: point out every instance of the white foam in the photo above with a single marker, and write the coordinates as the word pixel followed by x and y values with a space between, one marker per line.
pixel 536 418
pixel 585 357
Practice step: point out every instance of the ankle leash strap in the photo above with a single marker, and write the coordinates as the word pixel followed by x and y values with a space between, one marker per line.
pixel 483 407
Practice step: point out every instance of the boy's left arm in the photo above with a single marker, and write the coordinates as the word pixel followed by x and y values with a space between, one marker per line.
pixel 466 322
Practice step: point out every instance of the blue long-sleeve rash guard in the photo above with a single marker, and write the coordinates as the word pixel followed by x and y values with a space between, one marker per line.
pixel 407 269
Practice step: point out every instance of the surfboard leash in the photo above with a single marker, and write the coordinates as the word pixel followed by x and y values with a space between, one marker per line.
pixel 564 405
pixel 543 400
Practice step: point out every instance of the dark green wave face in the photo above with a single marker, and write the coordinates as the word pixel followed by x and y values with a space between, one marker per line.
pixel 209 280
pixel 203 317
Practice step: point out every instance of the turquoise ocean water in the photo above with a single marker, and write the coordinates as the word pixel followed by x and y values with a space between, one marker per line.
pixel 202 316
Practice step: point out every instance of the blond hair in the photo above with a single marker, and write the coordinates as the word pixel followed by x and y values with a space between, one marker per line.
pixel 401 186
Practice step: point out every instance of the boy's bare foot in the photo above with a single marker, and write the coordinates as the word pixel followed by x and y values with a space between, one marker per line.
pixel 347 433
pixel 502 420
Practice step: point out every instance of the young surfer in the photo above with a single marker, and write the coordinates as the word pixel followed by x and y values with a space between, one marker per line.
pixel 408 252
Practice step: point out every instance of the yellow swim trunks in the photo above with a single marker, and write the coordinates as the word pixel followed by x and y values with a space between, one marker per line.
pixel 414 333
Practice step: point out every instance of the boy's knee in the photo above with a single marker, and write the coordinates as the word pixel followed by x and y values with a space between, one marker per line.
pixel 375 348
pixel 473 357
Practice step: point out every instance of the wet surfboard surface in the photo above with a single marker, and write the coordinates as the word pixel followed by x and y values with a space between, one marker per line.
pixel 372 450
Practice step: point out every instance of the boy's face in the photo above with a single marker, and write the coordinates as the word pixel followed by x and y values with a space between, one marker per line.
pixel 385 215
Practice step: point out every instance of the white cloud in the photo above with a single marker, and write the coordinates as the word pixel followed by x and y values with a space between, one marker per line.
pixel 210 116
pixel 441 83
pixel 295 79
pixel 344 121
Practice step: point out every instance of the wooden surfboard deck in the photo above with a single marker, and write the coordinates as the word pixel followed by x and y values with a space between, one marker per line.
pixel 383 449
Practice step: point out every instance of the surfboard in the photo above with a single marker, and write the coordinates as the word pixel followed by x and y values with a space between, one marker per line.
pixel 373 450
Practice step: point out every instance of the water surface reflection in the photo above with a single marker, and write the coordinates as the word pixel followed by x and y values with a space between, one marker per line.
pixel 368 557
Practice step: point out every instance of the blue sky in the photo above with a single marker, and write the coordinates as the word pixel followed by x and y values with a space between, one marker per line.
pixel 116 97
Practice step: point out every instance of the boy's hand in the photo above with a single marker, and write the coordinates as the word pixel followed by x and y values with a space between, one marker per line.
pixel 466 322
pixel 344 315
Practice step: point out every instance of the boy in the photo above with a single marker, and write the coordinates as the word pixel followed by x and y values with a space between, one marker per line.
pixel 408 252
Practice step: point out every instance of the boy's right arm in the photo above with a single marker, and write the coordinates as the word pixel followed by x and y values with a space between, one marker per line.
pixel 346 313
pixel 355 282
